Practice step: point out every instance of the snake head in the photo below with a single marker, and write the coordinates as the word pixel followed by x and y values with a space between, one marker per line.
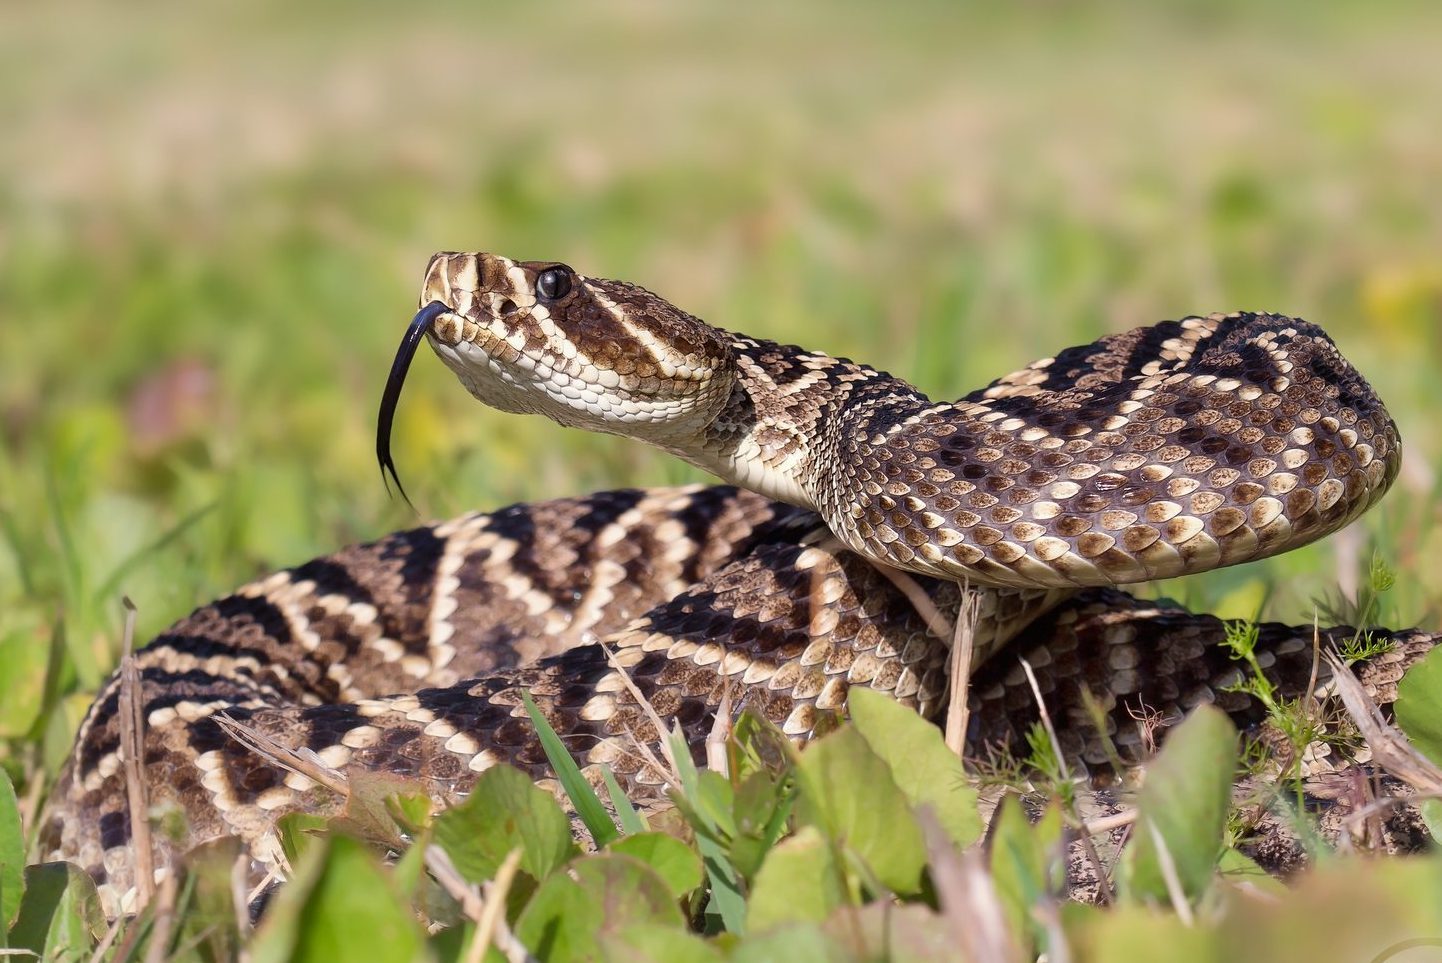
pixel 533 336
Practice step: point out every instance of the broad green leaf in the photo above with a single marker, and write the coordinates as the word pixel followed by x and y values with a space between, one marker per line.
pixel 583 798
pixel 847 791
pixel 799 882
pixel 410 810
pixel 1182 807
pixel 370 808
pixel 60 915
pixel 1431 810
pixel 24 658
pixel 340 905
pixel 791 944
pixel 762 808
pixel 567 917
pixel 673 860
pixel 1026 865
pixel 717 799
pixel 12 853
pixel 1418 709
pixel 884 930
pixel 298 832
pixel 1351 908
pixel 651 943
pixel 505 811
pixel 1124 934
pixel 1236 867
pixel 923 767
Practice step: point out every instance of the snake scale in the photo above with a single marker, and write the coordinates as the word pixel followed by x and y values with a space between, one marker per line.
pixel 1166 450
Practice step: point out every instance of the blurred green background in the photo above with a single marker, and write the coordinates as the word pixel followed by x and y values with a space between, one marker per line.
pixel 214 218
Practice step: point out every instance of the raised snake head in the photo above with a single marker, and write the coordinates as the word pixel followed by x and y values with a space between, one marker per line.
pixel 535 336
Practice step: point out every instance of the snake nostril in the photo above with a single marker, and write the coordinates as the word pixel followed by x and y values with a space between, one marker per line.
pixel 508 307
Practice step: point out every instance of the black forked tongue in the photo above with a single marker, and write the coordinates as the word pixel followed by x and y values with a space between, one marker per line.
pixel 419 325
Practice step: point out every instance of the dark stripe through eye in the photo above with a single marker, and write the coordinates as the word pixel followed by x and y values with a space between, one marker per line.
pixel 420 324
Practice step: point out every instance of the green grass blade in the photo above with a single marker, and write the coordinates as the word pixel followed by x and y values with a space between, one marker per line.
pixel 587 804
pixel 11 531
pixel 631 821
pixel 111 585
pixel 728 903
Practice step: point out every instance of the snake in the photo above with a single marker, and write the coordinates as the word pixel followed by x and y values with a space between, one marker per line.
pixel 856 516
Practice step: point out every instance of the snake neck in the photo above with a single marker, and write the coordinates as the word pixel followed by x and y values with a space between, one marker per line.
pixel 791 414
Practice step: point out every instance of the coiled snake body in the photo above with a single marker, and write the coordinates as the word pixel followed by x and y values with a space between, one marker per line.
pixel 1159 452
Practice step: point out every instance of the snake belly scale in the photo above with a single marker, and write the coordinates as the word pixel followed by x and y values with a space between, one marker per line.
pixel 1159 452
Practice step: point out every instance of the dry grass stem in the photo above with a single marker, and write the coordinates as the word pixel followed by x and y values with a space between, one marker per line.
pixel 163 923
pixel 102 949
pixel 967 897
pixel 963 650
pixel 936 622
pixel 1390 748
pixel 648 756
pixel 1312 702
pixel 302 761
pixel 132 752
pixel 1358 817
pixel 720 731
pixel 239 873
pixel 1104 885
pixel 492 911
pixel 445 873
pixel 272 877
pixel 1106 824
pixel 1045 718
pixel 673 771
pixel 486 913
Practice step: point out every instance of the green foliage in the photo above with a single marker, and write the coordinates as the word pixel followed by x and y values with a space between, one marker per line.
pixel 674 861
pixel 924 769
pixel 846 878
pixel 505 811
pixel 197 319
pixel 1026 867
pixel 800 881
pixel 1292 717
pixel 604 894
pixel 340 905
pixel 846 791
pixel 12 854
pixel 1181 812
pixel 580 792
pixel 1418 708
pixel 59 916
pixel 1367 612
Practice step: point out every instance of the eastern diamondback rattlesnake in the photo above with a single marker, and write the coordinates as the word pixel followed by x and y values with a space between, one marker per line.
pixel 1163 451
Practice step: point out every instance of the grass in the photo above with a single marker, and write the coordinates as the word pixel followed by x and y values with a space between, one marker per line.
pixel 213 221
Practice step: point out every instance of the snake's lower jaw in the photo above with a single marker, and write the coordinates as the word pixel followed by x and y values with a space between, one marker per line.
pixel 450 329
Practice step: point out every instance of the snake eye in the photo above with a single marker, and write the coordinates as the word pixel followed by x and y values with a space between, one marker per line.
pixel 553 283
